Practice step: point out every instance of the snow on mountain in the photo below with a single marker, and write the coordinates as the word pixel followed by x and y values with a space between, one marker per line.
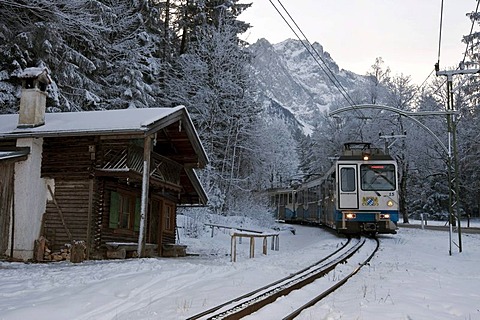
pixel 287 74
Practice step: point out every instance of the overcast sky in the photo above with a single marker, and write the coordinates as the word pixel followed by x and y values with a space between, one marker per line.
pixel 405 33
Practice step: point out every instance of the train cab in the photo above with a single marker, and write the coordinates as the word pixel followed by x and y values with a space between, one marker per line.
pixel 367 190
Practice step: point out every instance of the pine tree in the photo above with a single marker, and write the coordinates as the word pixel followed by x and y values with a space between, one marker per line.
pixel 212 78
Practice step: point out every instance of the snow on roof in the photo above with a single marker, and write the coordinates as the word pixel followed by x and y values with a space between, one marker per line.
pixel 88 122
pixel 36 72
pixel 32 72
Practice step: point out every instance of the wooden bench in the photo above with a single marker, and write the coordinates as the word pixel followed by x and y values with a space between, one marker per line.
pixel 122 250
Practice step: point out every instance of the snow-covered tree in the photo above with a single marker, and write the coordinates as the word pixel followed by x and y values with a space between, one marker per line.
pixel 101 54
pixel 212 78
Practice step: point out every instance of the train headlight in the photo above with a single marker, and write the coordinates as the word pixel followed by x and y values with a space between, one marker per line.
pixel 385 216
pixel 390 203
pixel 350 216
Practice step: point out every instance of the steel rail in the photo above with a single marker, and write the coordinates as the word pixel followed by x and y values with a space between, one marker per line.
pixel 255 300
pixel 337 285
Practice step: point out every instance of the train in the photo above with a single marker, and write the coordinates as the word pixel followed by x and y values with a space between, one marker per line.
pixel 357 195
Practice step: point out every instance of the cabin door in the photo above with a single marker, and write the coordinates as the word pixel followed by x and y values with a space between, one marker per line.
pixel 347 186
pixel 155 234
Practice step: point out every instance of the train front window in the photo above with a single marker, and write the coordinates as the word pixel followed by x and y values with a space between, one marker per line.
pixel 379 177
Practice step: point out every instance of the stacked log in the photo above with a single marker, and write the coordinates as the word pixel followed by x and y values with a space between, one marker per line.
pixel 74 252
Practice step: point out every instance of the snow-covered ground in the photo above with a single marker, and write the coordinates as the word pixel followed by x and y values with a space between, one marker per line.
pixel 412 277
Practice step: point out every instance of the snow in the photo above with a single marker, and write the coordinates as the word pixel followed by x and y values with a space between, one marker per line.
pixel 109 121
pixel 411 277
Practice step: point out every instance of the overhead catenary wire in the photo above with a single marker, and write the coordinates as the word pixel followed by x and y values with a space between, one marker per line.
pixel 466 46
pixel 329 73
pixel 440 33
pixel 334 78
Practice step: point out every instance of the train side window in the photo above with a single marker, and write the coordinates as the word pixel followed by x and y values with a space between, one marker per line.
pixel 348 179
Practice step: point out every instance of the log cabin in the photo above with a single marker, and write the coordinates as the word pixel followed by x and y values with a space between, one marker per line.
pixel 101 177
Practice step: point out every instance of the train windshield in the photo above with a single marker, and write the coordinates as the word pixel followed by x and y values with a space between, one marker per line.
pixel 378 177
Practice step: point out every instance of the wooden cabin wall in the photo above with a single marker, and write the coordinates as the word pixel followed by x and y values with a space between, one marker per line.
pixel 108 234
pixel 69 162
pixel 68 157
pixel 66 218
pixel 168 238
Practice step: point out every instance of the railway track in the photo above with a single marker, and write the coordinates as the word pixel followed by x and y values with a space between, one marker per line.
pixel 260 300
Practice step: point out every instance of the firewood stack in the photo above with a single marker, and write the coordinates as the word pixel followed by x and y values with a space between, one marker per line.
pixel 74 252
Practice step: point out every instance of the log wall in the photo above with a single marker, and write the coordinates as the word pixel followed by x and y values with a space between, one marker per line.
pixel 66 217
pixel 68 157
pixel 69 162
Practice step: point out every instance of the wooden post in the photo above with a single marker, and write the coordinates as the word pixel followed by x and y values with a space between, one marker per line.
pixel 39 249
pixel 233 249
pixel 265 245
pixel 77 251
pixel 147 149
pixel 89 219
pixel 252 247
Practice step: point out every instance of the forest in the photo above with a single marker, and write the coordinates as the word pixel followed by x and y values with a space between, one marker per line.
pixel 105 54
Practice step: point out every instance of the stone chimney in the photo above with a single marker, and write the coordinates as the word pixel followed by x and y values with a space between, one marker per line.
pixel 34 97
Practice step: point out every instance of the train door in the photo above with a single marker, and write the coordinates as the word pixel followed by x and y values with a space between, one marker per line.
pixel 347 186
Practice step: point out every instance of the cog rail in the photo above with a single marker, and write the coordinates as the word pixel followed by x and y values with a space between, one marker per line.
pixel 255 300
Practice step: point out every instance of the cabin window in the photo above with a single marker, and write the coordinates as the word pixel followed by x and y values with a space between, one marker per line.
pixel 169 217
pixel 124 211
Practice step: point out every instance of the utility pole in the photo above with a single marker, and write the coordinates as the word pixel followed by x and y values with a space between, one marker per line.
pixel 452 162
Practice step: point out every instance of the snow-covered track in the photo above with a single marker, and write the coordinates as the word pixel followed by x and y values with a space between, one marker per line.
pixel 337 285
pixel 256 300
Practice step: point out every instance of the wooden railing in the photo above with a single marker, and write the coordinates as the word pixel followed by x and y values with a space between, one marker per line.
pixel 131 158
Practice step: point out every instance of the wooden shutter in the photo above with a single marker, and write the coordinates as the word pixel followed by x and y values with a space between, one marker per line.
pixel 114 204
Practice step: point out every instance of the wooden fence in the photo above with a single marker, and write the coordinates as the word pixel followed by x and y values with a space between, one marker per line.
pixel 239 234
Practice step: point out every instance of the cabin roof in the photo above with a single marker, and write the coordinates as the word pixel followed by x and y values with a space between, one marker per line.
pixel 173 125
pixel 88 122
pixel 142 121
